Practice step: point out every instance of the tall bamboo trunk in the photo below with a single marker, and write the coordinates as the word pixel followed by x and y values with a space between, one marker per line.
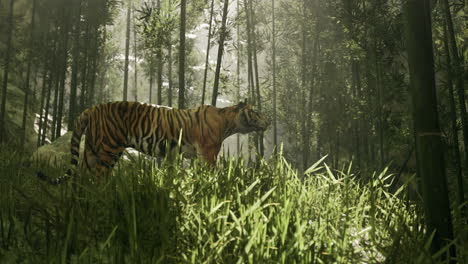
pixel 304 73
pixel 135 77
pixel 208 46
pixel 458 75
pixel 6 69
pixel 429 149
pixel 250 74
pixel 151 80
pixel 251 93
pixel 380 114
pixel 55 104
pixel 453 123
pixel 169 74
pixel 159 59
pixel 127 49
pixel 28 75
pixel 273 62
pixel 85 71
pixel 50 82
pixel 222 37
pixel 312 85
pixel 238 71
pixel 183 5
pixel 159 77
pixel 72 108
pixel 63 77
pixel 92 72
pixel 357 97
pixel 259 137
pixel 41 107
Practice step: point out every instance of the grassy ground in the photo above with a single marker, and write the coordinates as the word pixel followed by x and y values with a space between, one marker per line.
pixel 191 214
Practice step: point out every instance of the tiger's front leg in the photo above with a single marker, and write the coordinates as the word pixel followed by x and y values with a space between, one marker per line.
pixel 210 153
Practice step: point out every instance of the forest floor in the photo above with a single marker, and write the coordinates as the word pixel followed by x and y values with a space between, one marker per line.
pixel 235 213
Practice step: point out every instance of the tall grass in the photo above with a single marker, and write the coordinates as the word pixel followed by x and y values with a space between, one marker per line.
pixel 236 213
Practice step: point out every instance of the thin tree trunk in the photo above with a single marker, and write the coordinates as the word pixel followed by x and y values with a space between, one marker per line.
pixel 249 55
pixel 47 105
pixel 304 73
pixel 50 82
pixel 28 75
pixel 101 68
pixel 93 70
pixel 453 122
pixel 46 75
pixel 183 4
pixel 357 97
pixel 151 81
pixel 72 109
pixel 159 60
pixel 63 77
pixel 208 53
pixel 273 61
pixel 308 113
pixel 160 79
pixel 127 49
pixel 259 136
pixel 254 54
pixel 6 69
pixel 380 113
pixel 429 150
pixel 238 71
pixel 222 37
pixel 41 108
pixel 34 91
pixel 457 70
pixel 135 78
pixel 169 68
pixel 85 71
pixel 55 104
pixel 250 75
pixel 60 81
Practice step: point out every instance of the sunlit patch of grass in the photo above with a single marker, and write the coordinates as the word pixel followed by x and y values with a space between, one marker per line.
pixel 189 213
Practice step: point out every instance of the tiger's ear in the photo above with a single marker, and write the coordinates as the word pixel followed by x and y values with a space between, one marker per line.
pixel 240 105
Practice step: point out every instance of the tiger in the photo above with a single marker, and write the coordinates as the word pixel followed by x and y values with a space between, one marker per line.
pixel 110 128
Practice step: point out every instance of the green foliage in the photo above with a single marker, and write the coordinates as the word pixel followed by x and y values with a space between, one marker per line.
pixel 181 213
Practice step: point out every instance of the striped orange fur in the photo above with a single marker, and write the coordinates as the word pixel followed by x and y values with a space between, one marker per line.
pixel 154 130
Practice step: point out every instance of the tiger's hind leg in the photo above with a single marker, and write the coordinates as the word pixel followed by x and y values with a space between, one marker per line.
pixel 100 163
pixel 107 157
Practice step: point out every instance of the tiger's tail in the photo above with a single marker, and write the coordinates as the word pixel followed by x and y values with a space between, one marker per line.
pixel 80 127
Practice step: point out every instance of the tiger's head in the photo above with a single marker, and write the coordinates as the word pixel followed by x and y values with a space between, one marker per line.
pixel 247 120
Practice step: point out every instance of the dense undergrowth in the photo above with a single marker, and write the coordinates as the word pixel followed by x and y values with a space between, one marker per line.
pixel 263 213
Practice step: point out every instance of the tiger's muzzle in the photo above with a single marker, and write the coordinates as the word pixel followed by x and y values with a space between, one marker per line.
pixel 262 125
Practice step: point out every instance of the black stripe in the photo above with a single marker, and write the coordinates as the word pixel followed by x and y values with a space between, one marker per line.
pixel 179 121
pixel 170 122
pixel 150 145
pixel 115 116
pixel 158 122
pixel 129 122
pixel 190 118
pixel 197 116
pixel 134 119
